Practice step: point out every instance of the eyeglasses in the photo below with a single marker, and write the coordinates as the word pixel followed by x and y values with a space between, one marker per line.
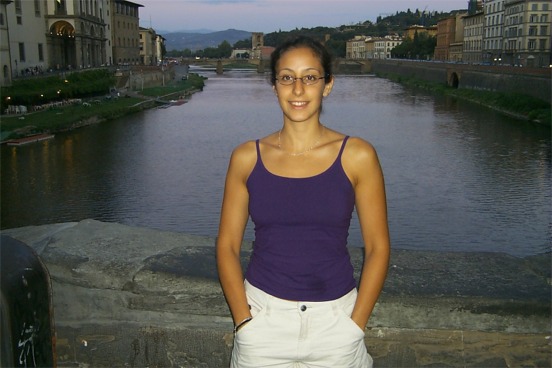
pixel 308 80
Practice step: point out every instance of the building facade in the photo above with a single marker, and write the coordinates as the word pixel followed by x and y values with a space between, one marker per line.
pixel 473 38
pixel 383 46
pixel 493 31
pixel 450 37
pixel 527 38
pixel 148 46
pixel 125 32
pixel 38 36
pixel 412 30
pixel 356 48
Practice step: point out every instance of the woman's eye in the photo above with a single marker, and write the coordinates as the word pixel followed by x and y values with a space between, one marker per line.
pixel 286 77
pixel 310 78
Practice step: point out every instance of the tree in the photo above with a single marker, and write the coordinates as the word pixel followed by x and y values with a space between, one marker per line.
pixel 225 49
pixel 243 44
pixel 421 47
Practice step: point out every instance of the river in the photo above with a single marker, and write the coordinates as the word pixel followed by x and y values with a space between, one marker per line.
pixel 459 177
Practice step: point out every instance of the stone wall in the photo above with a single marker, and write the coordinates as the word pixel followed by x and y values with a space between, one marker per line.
pixel 134 297
pixel 532 82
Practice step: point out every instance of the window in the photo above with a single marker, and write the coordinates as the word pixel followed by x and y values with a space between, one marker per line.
pixel 1 19
pixel 17 6
pixel 542 44
pixel 544 30
pixel 19 20
pixel 532 44
pixel 532 31
pixel 37 8
pixel 21 51
pixel 40 52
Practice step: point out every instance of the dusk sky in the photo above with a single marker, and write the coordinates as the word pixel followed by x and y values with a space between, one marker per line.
pixel 273 15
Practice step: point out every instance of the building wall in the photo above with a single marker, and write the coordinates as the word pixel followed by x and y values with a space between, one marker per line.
pixel 473 38
pixel 493 32
pixel 27 37
pixel 445 36
pixel 5 55
pixel 148 47
pixel 527 32
pixel 125 32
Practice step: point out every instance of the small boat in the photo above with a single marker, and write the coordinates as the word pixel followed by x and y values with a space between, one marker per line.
pixel 29 139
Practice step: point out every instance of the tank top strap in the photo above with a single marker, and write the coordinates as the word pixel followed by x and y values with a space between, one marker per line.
pixel 343 146
pixel 258 149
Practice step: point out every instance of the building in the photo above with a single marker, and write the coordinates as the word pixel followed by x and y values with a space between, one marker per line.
pixel 49 35
pixel 450 39
pixel 527 30
pixel 492 34
pixel 77 32
pixel 5 55
pixel 473 37
pixel 160 48
pixel 125 32
pixel 370 47
pixel 356 48
pixel 383 46
pixel 240 54
pixel 148 46
pixel 412 30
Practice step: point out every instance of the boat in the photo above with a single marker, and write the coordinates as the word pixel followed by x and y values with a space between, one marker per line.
pixel 29 139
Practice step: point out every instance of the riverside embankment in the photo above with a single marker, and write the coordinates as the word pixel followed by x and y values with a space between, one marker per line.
pixel 135 297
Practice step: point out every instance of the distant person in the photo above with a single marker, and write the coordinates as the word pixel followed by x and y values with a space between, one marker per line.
pixel 299 305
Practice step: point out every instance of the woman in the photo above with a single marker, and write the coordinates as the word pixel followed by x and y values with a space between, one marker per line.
pixel 299 305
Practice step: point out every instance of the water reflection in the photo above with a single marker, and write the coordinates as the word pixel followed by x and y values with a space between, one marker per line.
pixel 459 177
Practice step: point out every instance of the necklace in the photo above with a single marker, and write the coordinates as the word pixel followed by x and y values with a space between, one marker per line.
pixel 305 151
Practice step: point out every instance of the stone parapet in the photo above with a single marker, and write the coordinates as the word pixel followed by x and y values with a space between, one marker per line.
pixel 135 297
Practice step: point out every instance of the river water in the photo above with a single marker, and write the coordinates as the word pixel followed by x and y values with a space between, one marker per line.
pixel 459 177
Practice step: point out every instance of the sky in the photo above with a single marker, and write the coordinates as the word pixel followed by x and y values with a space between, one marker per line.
pixel 273 15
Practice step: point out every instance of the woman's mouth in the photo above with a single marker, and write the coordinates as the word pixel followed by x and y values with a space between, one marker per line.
pixel 298 104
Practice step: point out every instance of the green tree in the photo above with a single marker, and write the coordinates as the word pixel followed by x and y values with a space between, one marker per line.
pixel 243 44
pixel 225 49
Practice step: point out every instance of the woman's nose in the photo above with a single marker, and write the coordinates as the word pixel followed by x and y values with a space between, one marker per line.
pixel 298 86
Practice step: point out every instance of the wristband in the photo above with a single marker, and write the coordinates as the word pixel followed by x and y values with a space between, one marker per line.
pixel 237 327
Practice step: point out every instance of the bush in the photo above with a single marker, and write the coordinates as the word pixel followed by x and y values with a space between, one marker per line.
pixel 40 90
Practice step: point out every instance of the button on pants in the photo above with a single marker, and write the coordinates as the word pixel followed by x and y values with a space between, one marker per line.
pixel 286 333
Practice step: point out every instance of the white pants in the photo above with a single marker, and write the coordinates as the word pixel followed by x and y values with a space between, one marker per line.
pixel 286 333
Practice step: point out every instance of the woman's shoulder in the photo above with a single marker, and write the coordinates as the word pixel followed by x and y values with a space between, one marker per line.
pixel 358 155
pixel 244 152
pixel 358 145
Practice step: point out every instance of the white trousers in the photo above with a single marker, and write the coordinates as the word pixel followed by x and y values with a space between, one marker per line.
pixel 286 333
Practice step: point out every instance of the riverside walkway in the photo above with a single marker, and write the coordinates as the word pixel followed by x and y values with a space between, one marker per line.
pixel 135 297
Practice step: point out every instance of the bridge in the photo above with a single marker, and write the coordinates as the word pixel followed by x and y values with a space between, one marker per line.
pixel 534 82
pixel 220 64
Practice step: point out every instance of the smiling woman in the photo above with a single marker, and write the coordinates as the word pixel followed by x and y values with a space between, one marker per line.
pixel 300 186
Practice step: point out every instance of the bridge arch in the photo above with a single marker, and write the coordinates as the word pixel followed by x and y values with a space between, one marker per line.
pixel 453 80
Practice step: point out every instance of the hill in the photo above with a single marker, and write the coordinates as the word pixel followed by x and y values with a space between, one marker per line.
pixel 200 41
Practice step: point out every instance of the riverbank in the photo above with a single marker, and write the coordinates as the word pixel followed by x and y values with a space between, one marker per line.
pixel 101 109
pixel 518 106
pixel 95 110
pixel 128 296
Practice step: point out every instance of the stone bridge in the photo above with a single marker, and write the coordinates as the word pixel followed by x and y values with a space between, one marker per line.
pixel 219 64
pixel 534 82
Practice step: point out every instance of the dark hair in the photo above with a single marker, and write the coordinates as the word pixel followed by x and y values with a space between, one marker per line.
pixel 298 42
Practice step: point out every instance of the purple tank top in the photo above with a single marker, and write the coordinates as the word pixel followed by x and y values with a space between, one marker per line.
pixel 301 229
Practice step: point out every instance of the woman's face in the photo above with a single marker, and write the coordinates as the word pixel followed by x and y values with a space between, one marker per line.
pixel 301 102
